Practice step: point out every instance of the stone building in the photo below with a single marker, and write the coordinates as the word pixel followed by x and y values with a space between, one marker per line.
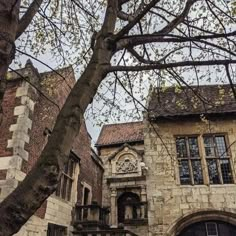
pixel 121 148
pixel 30 106
pixel 174 173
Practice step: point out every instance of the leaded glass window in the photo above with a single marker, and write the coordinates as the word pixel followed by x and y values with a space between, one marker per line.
pixel 190 168
pixel 218 159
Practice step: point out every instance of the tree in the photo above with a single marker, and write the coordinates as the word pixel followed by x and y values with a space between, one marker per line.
pixel 167 38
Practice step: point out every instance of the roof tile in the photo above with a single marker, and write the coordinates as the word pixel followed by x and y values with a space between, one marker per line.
pixel 197 100
pixel 120 133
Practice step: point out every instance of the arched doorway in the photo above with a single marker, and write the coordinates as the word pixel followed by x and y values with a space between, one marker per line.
pixel 223 222
pixel 209 228
pixel 127 206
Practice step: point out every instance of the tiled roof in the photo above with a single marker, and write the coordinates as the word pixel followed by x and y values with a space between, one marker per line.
pixel 207 99
pixel 120 133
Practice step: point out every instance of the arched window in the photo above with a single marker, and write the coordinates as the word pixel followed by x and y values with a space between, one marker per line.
pixel 209 228
pixel 128 207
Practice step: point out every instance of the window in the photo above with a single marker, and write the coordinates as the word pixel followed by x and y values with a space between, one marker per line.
pixel 211 229
pixel 65 185
pixel 190 168
pixel 86 201
pixel 218 159
pixel 86 196
pixel 56 230
pixel 216 155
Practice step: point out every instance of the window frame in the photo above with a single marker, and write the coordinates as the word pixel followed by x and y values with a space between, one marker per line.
pixel 53 230
pixel 207 229
pixel 217 157
pixel 65 185
pixel 190 158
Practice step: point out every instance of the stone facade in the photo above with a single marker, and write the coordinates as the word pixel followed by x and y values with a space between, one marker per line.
pixel 169 201
pixel 120 178
pixel 124 177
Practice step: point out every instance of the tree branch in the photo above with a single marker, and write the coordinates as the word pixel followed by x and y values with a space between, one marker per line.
pixel 179 19
pixel 124 16
pixel 135 40
pixel 171 65
pixel 230 80
pixel 28 16
pixel 129 26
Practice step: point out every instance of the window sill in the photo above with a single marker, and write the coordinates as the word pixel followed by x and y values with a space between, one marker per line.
pixel 206 185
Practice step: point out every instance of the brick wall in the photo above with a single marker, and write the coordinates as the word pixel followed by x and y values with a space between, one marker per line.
pixel 26 115
pixel 45 113
pixel 90 172
pixel 8 105
pixel 57 89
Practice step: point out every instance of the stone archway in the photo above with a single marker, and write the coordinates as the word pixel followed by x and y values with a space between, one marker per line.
pixel 201 216
pixel 209 228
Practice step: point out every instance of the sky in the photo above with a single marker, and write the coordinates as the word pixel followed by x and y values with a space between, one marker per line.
pixel 93 129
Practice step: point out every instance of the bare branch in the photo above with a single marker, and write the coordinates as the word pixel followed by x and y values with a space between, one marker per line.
pixel 171 65
pixel 124 16
pixel 230 80
pixel 145 61
pixel 129 26
pixel 134 40
pixel 179 19
pixel 28 16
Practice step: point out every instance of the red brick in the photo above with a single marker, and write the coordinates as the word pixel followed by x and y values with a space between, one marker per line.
pixel 8 105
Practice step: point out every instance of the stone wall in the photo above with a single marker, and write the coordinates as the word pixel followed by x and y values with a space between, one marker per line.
pixel 169 202
pixel 105 153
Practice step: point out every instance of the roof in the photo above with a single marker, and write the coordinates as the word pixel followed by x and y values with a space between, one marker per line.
pixel 190 101
pixel 112 134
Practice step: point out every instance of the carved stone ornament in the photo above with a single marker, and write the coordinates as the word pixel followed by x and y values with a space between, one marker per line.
pixel 127 164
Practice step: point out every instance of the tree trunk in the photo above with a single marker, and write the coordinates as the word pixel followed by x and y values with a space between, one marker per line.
pixel 9 18
pixel 42 180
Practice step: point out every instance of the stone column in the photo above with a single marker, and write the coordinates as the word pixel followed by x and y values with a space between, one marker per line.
pixel 113 214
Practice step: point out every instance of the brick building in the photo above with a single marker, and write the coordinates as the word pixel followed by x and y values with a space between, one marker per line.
pixel 30 106
pixel 174 173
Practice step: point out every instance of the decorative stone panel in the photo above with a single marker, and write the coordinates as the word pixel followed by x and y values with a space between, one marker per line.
pixel 126 162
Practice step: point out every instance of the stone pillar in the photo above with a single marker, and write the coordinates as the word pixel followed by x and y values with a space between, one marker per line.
pixel 143 194
pixel 113 215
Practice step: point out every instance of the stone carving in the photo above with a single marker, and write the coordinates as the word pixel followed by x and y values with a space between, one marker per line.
pixel 127 164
